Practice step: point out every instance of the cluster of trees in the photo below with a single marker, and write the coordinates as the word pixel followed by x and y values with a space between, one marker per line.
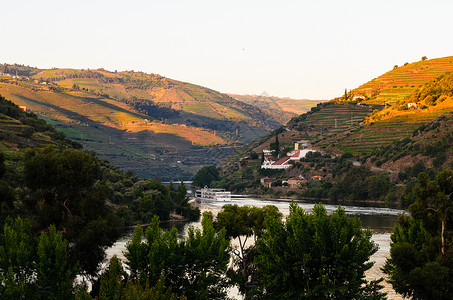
pixel 72 74
pixel 34 267
pixel 421 262
pixel 310 255
pixel 21 70
pixel 431 93
pixel 155 111
pixel 63 190
pixel 436 90
pixel 414 145
pixel 137 80
pixel 69 188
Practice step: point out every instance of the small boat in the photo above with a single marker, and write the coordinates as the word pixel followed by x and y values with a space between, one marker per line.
pixel 208 194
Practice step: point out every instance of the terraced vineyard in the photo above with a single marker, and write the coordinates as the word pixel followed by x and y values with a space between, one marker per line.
pixel 333 117
pixel 402 81
pixel 365 139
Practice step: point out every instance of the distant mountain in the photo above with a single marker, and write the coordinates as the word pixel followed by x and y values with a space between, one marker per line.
pixel 144 122
pixel 280 109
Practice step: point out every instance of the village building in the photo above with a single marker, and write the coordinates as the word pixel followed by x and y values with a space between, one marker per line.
pixel 295 182
pixel 296 155
pixel 411 105
pixel 358 97
pixel 266 182
pixel 268 152
pixel 300 151
pixel 299 145
pixel 317 177
pixel 280 164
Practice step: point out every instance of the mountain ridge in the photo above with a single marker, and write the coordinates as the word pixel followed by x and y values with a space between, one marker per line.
pixel 125 116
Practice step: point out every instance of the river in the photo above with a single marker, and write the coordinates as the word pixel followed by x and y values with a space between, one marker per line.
pixel 379 220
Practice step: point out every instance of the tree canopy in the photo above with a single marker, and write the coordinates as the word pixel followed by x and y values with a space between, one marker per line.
pixel 421 253
pixel 194 267
pixel 315 256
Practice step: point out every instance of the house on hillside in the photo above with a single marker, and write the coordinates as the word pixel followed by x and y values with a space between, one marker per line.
pixel 266 182
pixel 316 177
pixel 412 105
pixel 296 155
pixel 300 145
pixel 279 164
pixel 358 97
pixel 268 152
pixel 296 182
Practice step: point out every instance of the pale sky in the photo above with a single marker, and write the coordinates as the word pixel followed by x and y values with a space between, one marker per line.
pixel 299 49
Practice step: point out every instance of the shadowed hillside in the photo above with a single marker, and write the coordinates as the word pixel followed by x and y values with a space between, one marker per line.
pixel 281 109
pixel 144 122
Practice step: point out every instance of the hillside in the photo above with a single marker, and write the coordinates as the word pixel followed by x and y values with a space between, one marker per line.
pixel 144 122
pixel 281 109
pixel 359 140
pixel 402 81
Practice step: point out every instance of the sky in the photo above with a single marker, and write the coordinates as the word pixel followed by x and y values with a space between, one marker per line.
pixel 299 49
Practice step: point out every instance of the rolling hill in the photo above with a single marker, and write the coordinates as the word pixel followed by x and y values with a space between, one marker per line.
pixel 398 135
pixel 402 81
pixel 144 122
pixel 282 109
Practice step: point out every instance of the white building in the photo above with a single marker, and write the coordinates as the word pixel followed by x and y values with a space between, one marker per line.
pixel 296 155
pixel 282 163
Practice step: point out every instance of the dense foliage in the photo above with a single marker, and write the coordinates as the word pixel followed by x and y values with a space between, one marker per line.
pixel 421 262
pixel 242 222
pixel 34 267
pixel 195 266
pixel 433 92
pixel 315 256
pixel 205 176
pixel 54 184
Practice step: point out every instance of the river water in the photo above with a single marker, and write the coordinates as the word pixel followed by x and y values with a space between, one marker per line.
pixel 379 220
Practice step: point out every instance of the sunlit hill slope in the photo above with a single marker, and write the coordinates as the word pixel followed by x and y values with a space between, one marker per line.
pixel 133 118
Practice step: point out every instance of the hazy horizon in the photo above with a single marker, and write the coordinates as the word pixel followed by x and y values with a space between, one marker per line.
pixel 296 49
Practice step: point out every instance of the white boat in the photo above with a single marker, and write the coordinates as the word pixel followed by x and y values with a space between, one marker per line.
pixel 208 194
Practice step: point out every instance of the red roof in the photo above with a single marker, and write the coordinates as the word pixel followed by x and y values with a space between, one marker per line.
pixel 296 154
pixel 281 161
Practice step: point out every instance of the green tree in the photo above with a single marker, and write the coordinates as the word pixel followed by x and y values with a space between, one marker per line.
pixel 315 256
pixel 205 176
pixel 194 267
pixel 54 273
pixel 116 285
pixel 421 257
pixel 242 222
pixel 64 191
pixel 112 281
pixel 352 185
pixel 17 257
pixel 34 268
pixel 276 146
